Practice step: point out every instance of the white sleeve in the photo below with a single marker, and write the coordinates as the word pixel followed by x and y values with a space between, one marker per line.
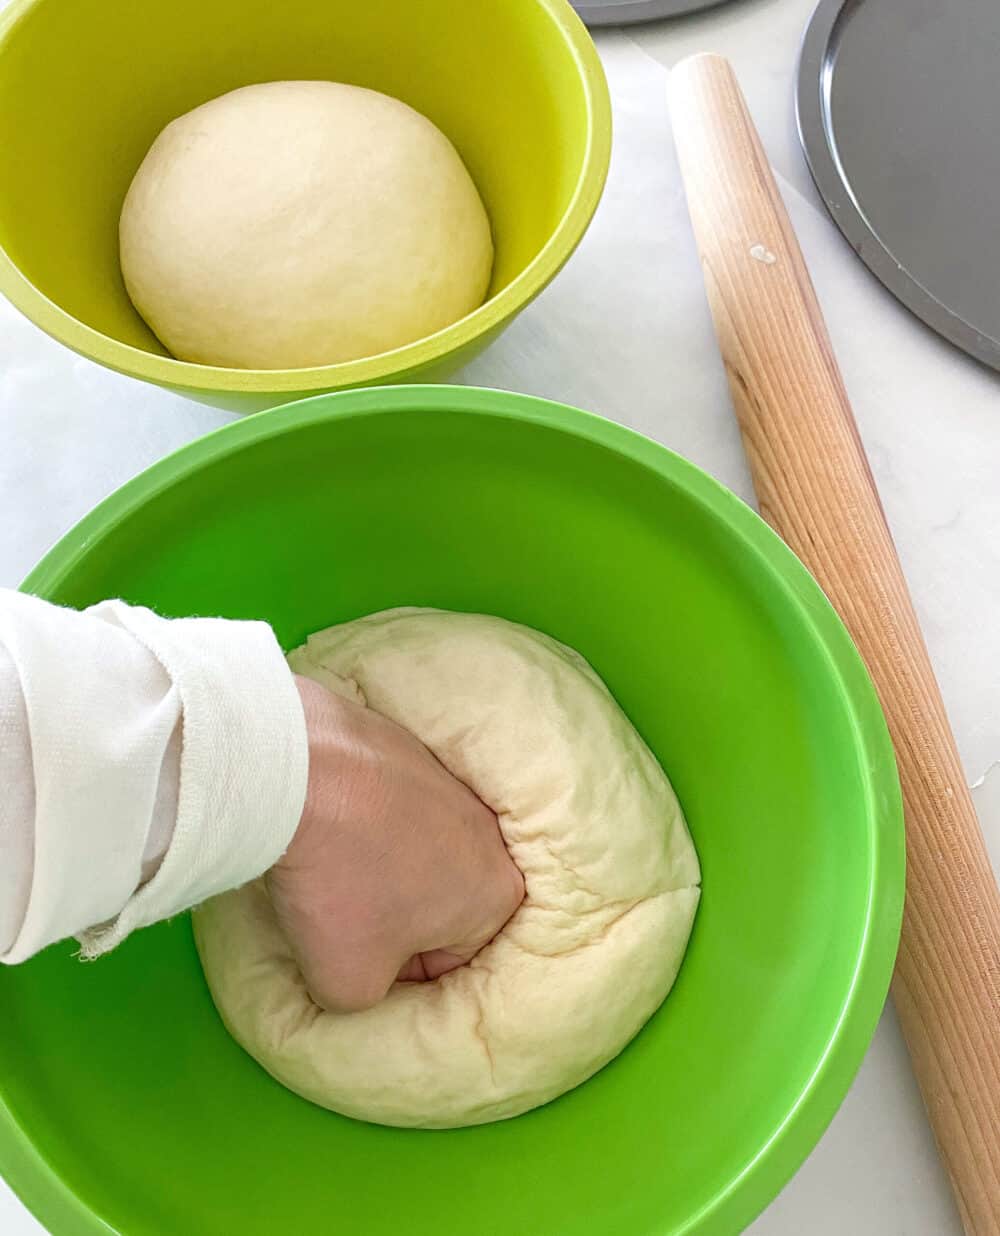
pixel 132 744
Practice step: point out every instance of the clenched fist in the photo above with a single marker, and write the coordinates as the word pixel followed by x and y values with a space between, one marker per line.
pixel 397 870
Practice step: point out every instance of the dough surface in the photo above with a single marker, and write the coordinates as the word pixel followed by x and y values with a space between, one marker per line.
pixel 292 224
pixel 610 871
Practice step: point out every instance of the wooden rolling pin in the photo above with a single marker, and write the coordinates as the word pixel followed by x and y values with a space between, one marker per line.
pixel 816 490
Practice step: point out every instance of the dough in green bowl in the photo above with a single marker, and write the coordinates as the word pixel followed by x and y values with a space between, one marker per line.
pixel 611 886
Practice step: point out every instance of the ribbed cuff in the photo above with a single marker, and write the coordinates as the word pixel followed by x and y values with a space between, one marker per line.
pixel 244 764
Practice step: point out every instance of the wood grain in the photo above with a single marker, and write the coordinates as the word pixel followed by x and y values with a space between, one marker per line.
pixel 816 489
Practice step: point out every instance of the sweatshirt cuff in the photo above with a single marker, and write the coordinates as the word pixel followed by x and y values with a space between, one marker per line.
pixel 244 763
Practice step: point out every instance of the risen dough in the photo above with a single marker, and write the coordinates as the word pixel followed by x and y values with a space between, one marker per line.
pixel 589 817
pixel 292 224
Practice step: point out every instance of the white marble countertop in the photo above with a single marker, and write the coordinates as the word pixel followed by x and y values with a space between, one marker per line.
pixel 70 433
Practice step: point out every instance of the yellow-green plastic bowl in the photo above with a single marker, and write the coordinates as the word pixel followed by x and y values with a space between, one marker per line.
pixel 86 85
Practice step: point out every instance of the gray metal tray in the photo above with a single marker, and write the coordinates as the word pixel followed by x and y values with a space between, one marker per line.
pixel 625 12
pixel 899 114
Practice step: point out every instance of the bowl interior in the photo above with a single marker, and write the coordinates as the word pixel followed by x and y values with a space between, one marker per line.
pixel 85 88
pixel 722 651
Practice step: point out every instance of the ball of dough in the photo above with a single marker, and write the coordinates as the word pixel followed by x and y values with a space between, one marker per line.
pixel 611 883
pixel 611 886
pixel 293 224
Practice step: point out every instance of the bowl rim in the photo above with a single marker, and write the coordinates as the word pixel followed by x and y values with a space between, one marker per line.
pixel 761 1179
pixel 369 370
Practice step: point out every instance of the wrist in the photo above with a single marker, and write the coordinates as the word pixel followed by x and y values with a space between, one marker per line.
pixel 332 743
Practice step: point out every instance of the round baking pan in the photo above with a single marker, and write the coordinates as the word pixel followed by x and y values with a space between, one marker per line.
pixel 625 12
pixel 899 112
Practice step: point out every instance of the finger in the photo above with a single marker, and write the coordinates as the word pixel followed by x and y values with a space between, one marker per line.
pixel 346 987
pixel 425 967
pixel 413 971
pixel 440 961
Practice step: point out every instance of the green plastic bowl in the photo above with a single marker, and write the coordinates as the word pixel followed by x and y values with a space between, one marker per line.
pixel 86 85
pixel 126 1106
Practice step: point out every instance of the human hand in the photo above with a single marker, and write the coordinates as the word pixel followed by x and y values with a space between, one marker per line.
pixel 397 870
